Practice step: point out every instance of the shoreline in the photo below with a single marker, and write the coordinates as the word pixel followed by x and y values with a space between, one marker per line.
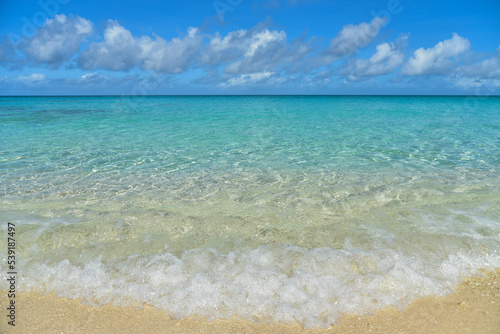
pixel 473 307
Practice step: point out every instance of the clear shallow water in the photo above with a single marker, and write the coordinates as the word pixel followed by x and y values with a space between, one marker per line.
pixel 270 208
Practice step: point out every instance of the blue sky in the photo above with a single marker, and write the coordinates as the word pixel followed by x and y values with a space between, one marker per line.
pixel 69 47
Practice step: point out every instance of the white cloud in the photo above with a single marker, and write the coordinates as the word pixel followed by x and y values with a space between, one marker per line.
pixel 466 83
pixel 488 68
pixel 92 77
pixel 89 83
pixel 264 51
pixel 246 79
pixel 221 50
pixel 256 50
pixel 263 39
pixel 261 50
pixel 246 51
pixel 89 76
pixel 436 60
pixel 118 51
pixel 33 78
pixel 387 58
pixel 170 57
pixel 353 37
pixel 483 76
pixel 122 51
pixel 57 40
pixel 476 86
pixel 257 57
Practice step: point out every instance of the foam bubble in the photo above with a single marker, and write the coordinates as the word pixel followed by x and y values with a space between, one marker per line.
pixel 269 283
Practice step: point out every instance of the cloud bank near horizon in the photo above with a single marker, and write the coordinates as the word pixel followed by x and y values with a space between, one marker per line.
pixel 257 57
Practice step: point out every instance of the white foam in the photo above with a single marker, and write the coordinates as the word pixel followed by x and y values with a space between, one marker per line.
pixel 270 283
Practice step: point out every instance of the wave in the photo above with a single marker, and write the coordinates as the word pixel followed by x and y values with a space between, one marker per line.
pixel 314 287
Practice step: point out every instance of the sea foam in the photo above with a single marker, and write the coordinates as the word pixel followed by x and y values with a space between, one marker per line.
pixel 313 287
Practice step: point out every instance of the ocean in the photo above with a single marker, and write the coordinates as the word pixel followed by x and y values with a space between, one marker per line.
pixel 270 208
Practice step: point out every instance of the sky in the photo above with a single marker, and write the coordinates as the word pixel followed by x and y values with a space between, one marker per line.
pixel 155 47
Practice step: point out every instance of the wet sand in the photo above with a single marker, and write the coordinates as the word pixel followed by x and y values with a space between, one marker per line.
pixel 474 307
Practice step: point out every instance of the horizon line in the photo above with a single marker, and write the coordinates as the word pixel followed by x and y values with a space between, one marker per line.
pixel 256 95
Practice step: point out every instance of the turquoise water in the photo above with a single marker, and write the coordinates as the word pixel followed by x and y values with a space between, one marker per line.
pixel 269 208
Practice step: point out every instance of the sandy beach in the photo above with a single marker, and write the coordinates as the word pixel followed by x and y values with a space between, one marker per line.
pixel 474 307
pixel 260 166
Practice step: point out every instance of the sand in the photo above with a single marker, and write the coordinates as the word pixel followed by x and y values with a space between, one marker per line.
pixel 474 307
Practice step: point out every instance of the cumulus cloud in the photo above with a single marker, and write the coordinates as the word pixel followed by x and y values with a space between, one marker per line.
pixel 477 85
pixel 234 58
pixel 89 83
pixel 246 51
pixel 246 79
pixel 387 58
pixel 173 56
pixel 258 57
pixel 121 51
pixel 488 68
pixel 221 50
pixel 92 77
pixel 33 78
pixel 353 37
pixel 118 51
pixel 57 40
pixel 256 50
pixel 263 51
pixel 436 60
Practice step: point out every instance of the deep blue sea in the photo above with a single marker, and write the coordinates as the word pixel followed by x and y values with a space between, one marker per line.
pixel 271 208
